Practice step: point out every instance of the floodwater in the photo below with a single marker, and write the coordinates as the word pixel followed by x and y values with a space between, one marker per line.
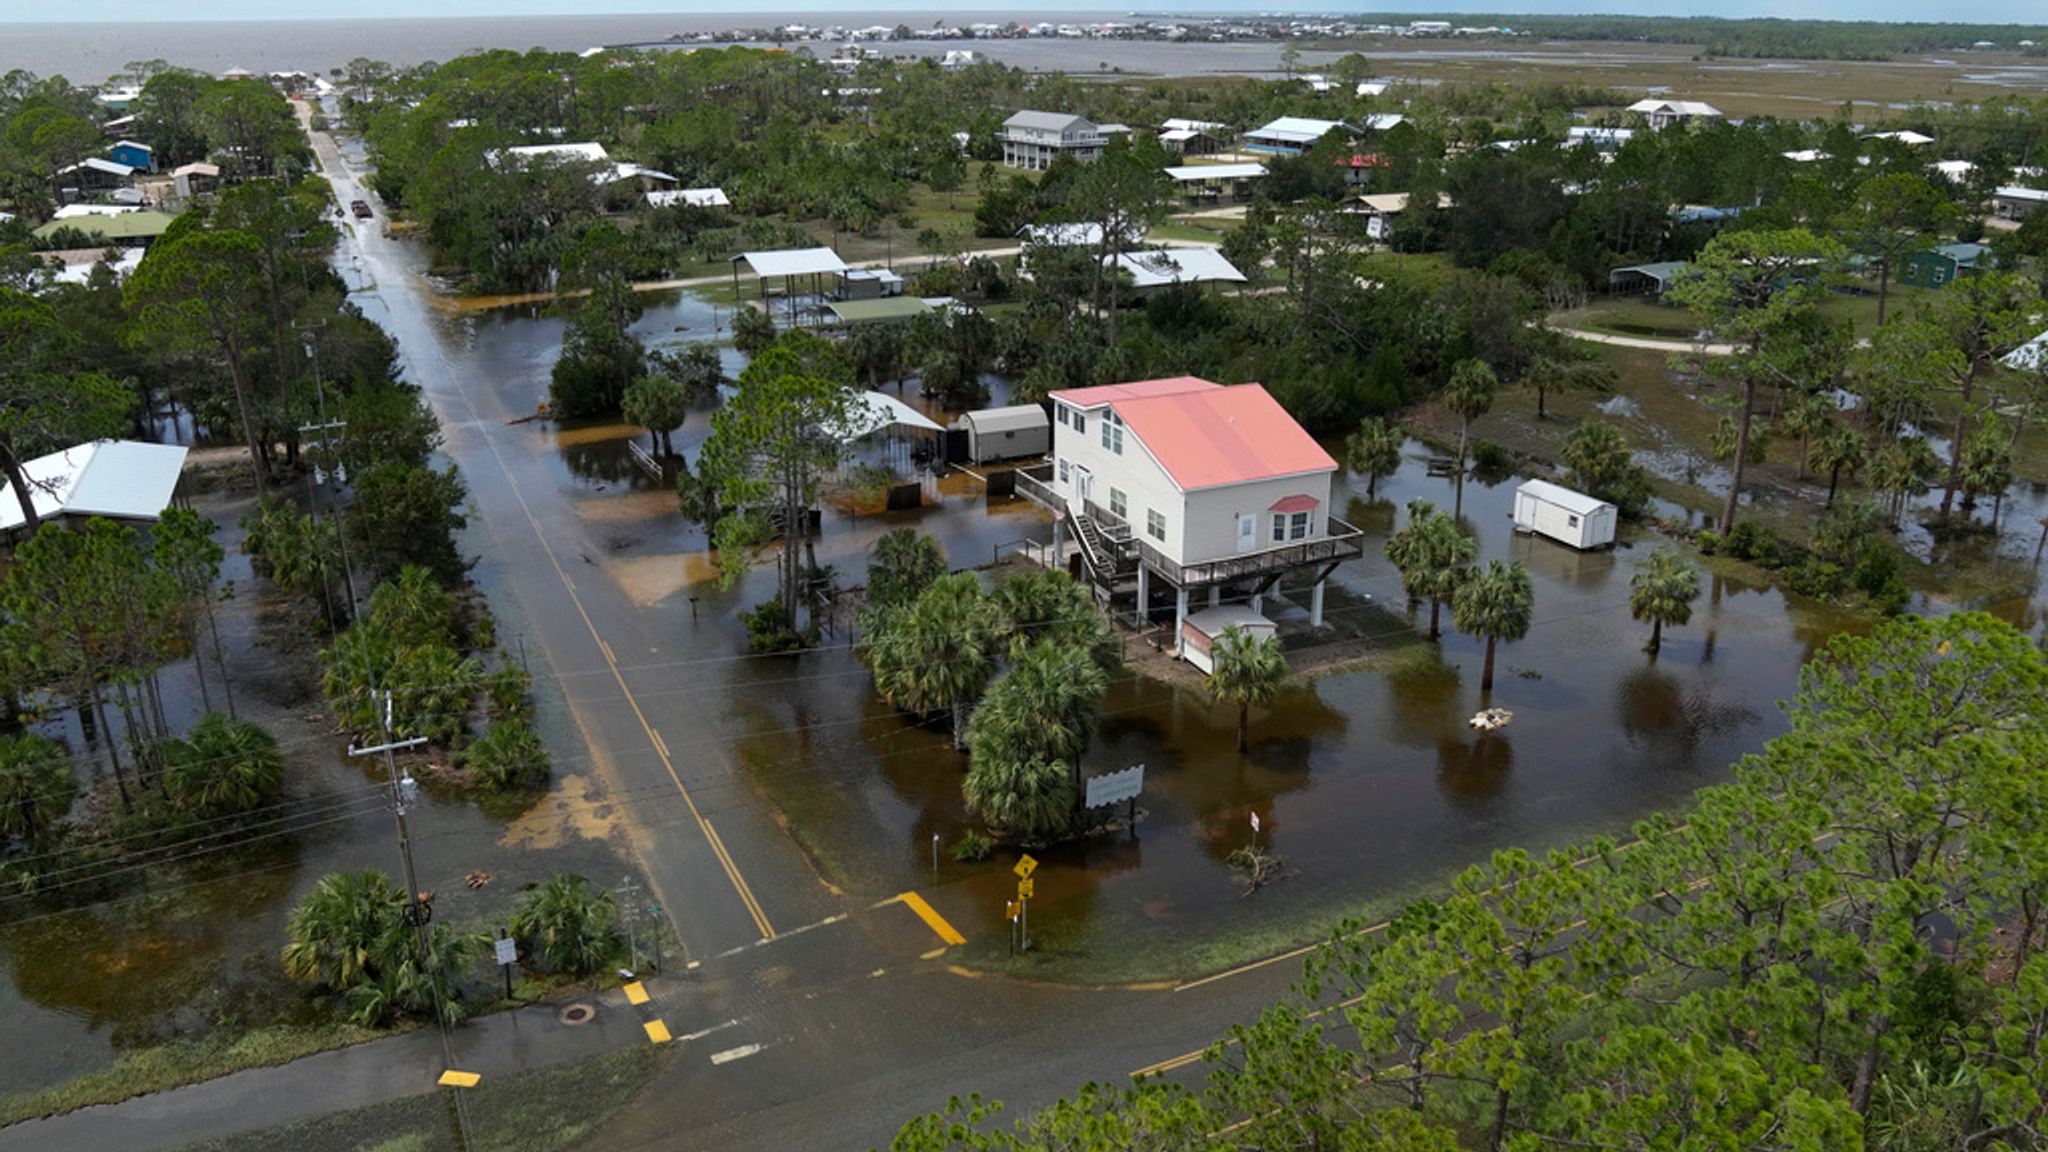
pixel 1365 776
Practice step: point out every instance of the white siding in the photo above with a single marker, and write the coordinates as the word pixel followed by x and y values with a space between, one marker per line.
pixel 1145 484
pixel 1200 525
pixel 1213 513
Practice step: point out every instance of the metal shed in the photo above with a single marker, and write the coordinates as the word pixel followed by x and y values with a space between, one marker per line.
pixel 1012 433
pixel 1565 516
pixel 1200 631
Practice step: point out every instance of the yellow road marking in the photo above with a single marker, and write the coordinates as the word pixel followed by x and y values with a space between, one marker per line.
pixel 725 860
pixel 453 1079
pixel 1167 1065
pixel 636 993
pixel 932 919
pixel 607 650
pixel 657 1031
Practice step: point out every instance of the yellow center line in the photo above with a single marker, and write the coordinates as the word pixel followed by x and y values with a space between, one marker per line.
pixel 725 859
pixel 932 919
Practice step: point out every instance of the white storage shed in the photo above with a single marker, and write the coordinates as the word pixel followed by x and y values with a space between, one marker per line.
pixel 1012 433
pixel 1202 629
pixel 1565 516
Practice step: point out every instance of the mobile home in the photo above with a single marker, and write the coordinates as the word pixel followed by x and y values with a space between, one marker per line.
pixel 1565 516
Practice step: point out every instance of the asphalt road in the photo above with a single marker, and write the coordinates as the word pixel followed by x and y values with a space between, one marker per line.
pixel 849 1018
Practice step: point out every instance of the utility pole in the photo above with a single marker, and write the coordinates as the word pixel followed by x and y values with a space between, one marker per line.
pixel 327 430
pixel 403 791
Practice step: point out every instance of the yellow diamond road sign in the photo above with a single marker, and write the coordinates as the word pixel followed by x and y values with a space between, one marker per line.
pixel 1025 867
pixel 1026 889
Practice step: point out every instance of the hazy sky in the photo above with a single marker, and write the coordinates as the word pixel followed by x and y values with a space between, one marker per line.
pixel 1988 11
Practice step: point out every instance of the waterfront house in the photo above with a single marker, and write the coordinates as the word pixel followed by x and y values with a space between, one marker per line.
pixel 1192 490
pixel 1033 140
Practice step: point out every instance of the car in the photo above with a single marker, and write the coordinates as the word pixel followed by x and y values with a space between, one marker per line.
pixel 361 208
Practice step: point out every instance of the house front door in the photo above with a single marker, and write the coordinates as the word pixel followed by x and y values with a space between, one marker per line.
pixel 1084 484
pixel 1247 531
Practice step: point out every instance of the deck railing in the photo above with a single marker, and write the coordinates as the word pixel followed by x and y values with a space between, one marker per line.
pixel 1340 541
pixel 1035 485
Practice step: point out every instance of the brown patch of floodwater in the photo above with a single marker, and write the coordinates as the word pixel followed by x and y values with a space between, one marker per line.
pixel 649 580
pixel 574 810
pixel 595 433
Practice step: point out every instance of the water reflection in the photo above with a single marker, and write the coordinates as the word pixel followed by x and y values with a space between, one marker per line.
pixel 1473 772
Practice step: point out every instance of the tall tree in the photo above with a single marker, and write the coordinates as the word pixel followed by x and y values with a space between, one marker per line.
pixel 200 292
pixel 1890 218
pixel 658 404
pixel 1375 451
pixel 1959 341
pixel 184 550
pixel 939 653
pixel 1662 591
pixel 1758 290
pixel 1470 395
pixel 1435 557
pixel 1840 449
pixel 902 564
pixel 769 448
pixel 1249 670
pixel 1495 603
pixel 43 407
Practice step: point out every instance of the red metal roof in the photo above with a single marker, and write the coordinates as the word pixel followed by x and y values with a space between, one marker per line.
pixel 1299 502
pixel 1138 390
pixel 1212 436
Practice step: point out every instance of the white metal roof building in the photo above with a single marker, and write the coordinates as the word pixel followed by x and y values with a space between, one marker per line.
pixel 1289 135
pixel 792 262
pixel 1161 267
pixel 1204 173
pixel 117 479
pixel 695 197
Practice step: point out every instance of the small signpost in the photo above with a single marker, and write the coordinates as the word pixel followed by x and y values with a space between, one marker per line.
pixel 1125 785
pixel 1020 909
pixel 507 952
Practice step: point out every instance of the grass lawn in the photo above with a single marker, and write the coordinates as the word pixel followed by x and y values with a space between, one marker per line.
pixel 540 1111
pixel 1641 316
pixel 143 1071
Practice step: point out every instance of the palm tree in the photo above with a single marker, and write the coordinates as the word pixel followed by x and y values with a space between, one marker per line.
pixel 223 766
pixel 1434 556
pixel 1034 798
pixel 414 608
pixel 1248 670
pixel 753 330
pixel 1470 395
pixel 341 934
pixel 1806 417
pixel 939 652
pixel 1047 604
pixel 36 788
pixel 508 757
pixel 901 565
pixel 1496 603
pixel 1840 449
pixel 1375 452
pixel 1662 591
pixel 568 927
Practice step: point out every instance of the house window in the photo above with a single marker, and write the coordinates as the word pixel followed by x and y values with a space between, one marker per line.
pixel 1063 470
pixel 1571 521
pixel 1080 422
pixel 1117 504
pixel 1113 432
pixel 1288 526
pixel 1060 410
pixel 1155 524
pixel 1279 527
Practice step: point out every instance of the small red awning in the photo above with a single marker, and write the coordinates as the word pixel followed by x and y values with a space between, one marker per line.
pixel 1299 502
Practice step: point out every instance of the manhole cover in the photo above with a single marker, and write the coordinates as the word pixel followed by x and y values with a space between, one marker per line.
pixel 578 1014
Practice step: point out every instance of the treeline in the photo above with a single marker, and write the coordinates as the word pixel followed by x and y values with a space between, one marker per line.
pixel 1761 37
pixel 1840 949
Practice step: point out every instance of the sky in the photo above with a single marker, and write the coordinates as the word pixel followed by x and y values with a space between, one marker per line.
pixel 71 11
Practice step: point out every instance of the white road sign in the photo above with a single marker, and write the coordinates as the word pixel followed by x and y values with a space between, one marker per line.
pixel 1115 786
